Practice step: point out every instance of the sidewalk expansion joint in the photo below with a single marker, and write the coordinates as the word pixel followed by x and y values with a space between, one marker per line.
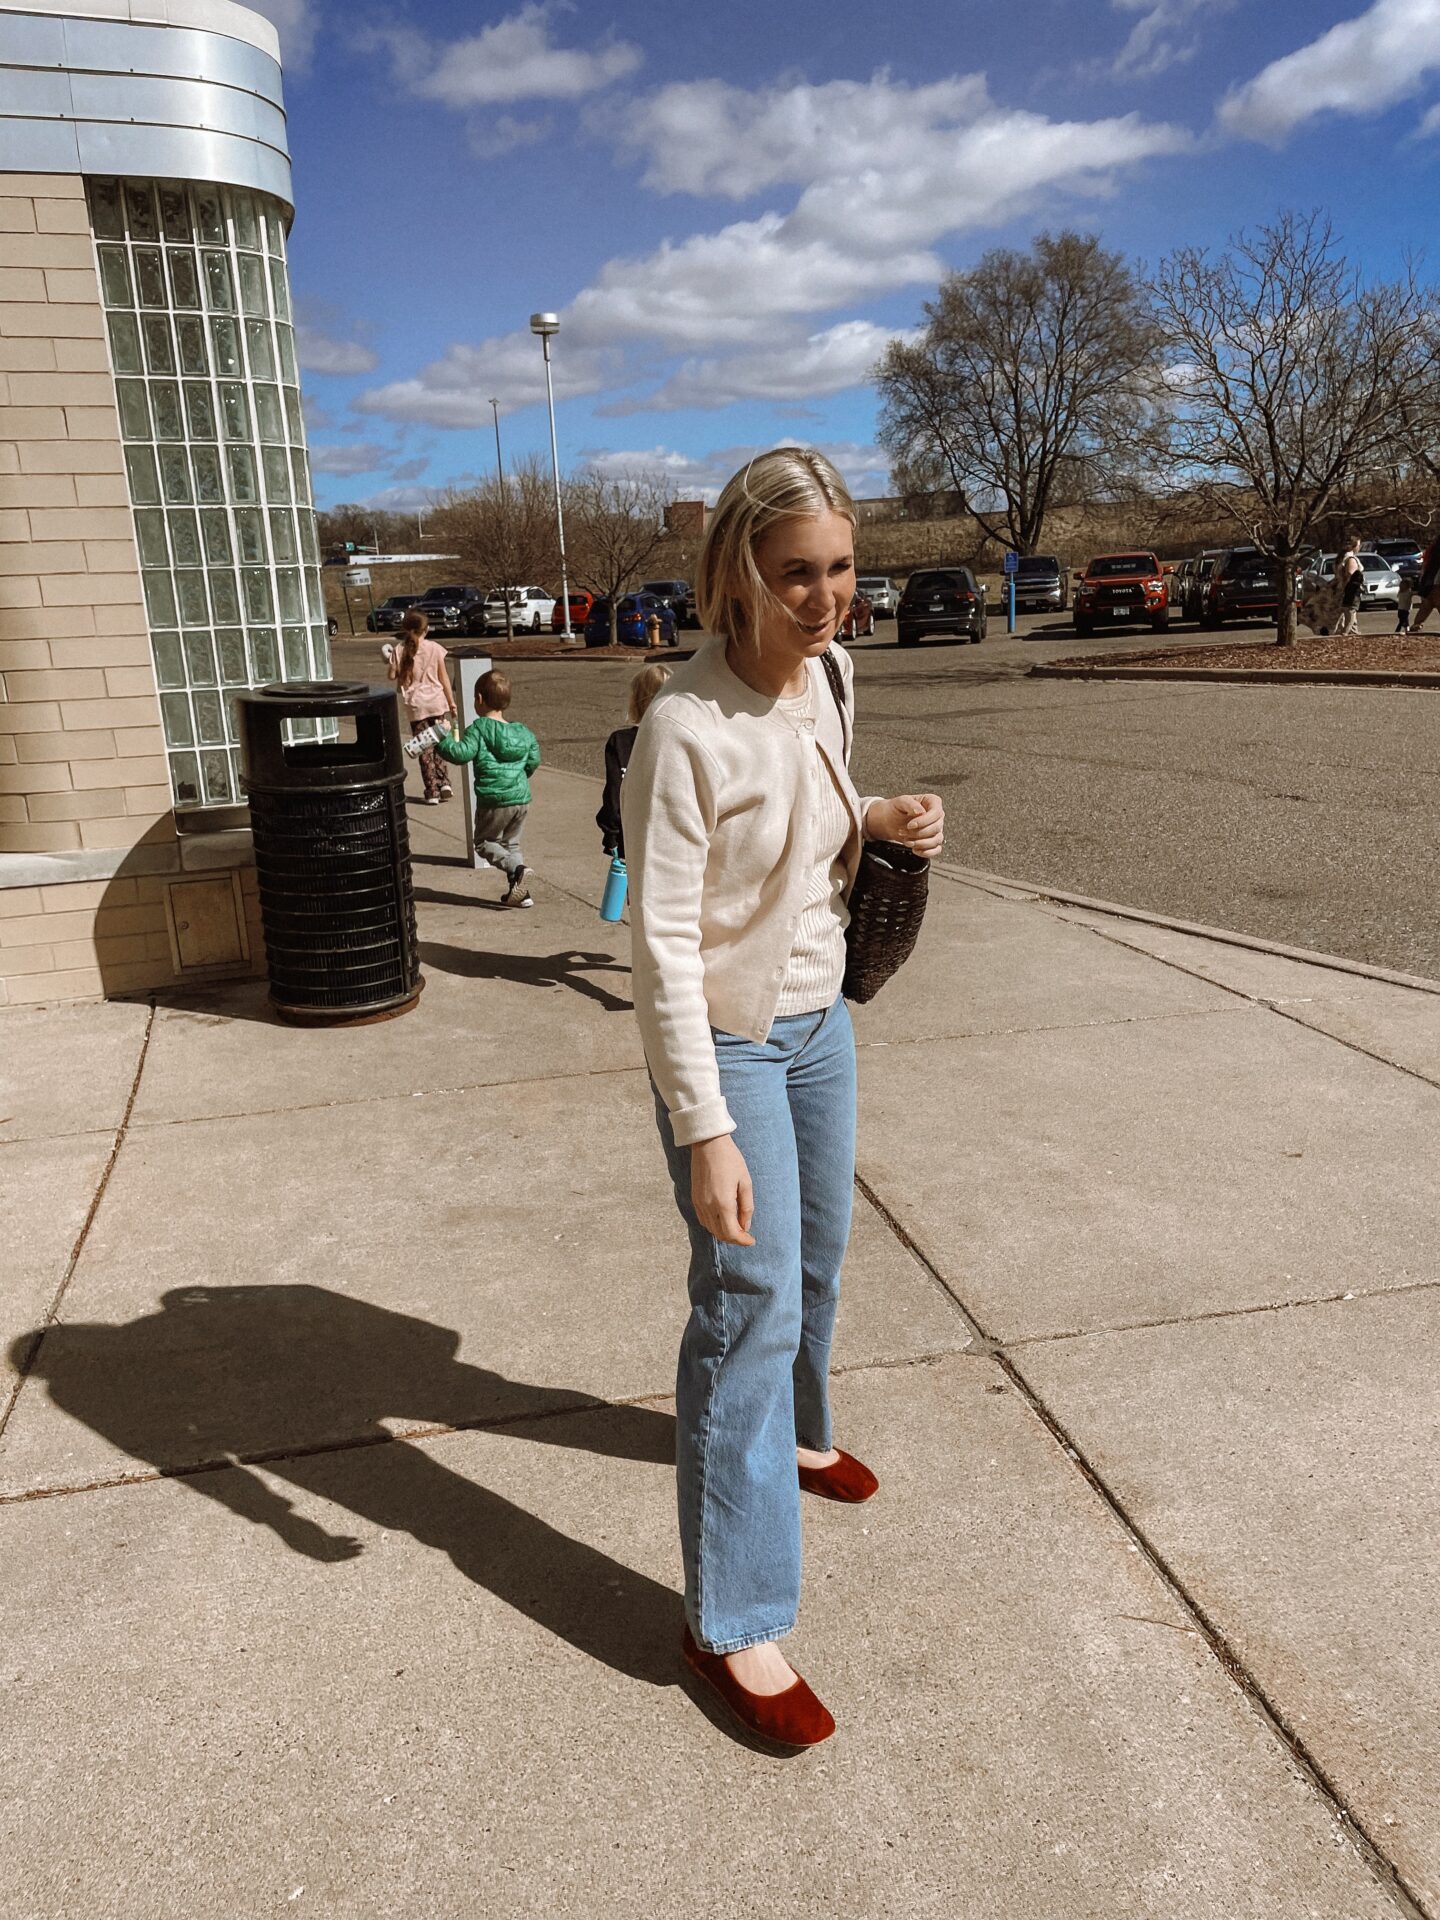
pixel 387 1099
pixel 1298 1304
pixel 1059 1026
pixel 52 1312
pixel 1268 1003
pixel 1346 1819
pixel 409 1436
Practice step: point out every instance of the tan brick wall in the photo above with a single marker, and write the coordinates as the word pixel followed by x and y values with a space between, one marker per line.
pixel 89 939
pixel 81 750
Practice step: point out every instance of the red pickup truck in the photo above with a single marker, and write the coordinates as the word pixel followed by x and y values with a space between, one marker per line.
pixel 1122 589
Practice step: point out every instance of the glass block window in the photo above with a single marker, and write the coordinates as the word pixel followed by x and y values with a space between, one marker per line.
pixel 198 310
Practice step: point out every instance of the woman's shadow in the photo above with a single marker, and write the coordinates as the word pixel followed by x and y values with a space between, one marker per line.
pixel 300 1380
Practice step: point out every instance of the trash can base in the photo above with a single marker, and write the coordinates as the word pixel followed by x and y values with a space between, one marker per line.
pixel 344 1016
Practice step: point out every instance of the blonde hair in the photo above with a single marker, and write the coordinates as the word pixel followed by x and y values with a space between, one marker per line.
pixel 643 689
pixel 789 483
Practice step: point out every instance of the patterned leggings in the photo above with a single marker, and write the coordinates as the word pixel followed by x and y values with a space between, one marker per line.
pixel 433 771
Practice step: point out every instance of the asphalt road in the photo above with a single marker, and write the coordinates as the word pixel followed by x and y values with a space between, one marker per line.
pixel 1308 815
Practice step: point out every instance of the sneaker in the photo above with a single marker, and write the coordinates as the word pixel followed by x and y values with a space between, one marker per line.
pixel 430 800
pixel 447 792
pixel 517 894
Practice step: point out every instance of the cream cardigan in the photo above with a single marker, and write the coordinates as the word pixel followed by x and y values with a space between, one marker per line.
pixel 719 806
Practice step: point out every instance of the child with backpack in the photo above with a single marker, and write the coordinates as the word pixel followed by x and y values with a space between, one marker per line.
pixel 618 748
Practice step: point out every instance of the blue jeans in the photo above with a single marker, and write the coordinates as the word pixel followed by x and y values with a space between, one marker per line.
pixel 753 1379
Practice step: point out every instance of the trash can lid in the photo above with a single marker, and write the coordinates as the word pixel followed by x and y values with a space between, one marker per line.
pixel 314 689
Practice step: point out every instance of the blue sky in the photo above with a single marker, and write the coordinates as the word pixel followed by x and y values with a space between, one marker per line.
pixel 733 207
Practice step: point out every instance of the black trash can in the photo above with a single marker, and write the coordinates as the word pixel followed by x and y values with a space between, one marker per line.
pixel 332 852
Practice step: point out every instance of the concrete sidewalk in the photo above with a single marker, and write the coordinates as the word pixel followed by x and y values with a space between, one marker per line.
pixel 337 1555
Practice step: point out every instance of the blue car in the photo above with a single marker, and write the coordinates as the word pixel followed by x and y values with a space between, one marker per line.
pixel 630 618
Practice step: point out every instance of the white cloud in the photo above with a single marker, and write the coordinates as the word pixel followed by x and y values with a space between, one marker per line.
pixel 1430 124
pixel 455 391
pixel 842 356
pixel 297 22
pixel 1361 66
pixel 514 59
pixel 320 352
pixel 363 456
pixel 900 169
pixel 707 137
pixel 866 470
pixel 1164 36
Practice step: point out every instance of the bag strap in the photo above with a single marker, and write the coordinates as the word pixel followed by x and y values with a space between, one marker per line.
pixel 837 687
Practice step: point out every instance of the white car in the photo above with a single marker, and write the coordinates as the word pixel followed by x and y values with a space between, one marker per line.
pixel 1382 578
pixel 530 609
pixel 879 590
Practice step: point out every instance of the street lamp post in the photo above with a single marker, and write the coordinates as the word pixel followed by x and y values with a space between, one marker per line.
pixel 500 476
pixel 547 325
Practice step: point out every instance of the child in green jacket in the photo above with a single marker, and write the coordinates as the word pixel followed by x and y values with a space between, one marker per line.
pixel 505 754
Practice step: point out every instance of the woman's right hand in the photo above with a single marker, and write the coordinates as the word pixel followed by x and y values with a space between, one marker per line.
pixel 720 1190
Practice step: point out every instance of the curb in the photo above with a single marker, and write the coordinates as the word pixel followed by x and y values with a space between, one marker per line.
pixel 1238 676
pixel 1222 936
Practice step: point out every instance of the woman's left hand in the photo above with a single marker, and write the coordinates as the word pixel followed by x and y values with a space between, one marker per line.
pixel 914 820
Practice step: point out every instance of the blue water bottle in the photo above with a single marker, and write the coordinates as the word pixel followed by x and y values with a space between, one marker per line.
pixel 612 902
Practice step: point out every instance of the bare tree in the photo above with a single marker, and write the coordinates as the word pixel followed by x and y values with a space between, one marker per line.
pixel 1035 380
pixel 503 531
pixel 615 525
pixel 1293 384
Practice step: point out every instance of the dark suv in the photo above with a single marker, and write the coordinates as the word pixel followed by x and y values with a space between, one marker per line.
pixel 1243 585
pixel 1039 582
pixel 453 609
pixel 940 600
pixel 386 618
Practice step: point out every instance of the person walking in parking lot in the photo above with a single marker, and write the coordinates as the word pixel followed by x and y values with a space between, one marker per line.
pixel 743 831
pixel 1350 578
pixel 1427 592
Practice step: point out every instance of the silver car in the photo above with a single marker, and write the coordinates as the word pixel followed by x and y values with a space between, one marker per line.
pixel 879 590
pixel 1382 578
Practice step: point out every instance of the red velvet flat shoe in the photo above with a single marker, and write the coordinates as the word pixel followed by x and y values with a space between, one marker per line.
pixel 794 1718
pixel 845 1479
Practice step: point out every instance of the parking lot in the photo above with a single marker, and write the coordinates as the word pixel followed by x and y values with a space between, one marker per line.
pixel 1306 814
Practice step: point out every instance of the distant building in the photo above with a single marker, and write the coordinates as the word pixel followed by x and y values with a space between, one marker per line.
pixel 686 518
pixel 157 545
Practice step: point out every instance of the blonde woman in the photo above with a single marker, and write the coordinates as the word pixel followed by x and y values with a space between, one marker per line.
pixel 618 749
pixel 744 831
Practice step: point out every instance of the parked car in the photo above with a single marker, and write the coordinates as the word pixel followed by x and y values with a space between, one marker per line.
pixel 456 610
pixel 1122 589
pixel 530 609
pixel 882 593
pixel 1382 580
pixel 1040 583
pixel 673 592
pixel 940 600
pixel 387 616
pixel 1405 555
pixel 581 601
pixel 632 613
pixel 859 621
pixel 1188 594
pixel 1244 584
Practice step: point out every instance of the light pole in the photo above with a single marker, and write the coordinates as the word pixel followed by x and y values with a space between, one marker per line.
pixel 500 476
pixel 547 325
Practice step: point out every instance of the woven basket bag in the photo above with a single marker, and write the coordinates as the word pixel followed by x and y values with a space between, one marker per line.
pixel 887 901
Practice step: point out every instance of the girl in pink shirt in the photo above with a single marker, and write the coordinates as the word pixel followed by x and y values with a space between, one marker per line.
pixel 417 665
